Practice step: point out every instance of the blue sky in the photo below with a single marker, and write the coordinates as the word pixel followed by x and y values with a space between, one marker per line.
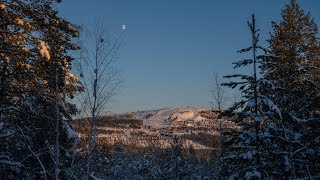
pixel 172 47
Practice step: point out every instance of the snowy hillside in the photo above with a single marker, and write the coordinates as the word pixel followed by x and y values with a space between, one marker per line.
pixel 195 127
pixel 167 117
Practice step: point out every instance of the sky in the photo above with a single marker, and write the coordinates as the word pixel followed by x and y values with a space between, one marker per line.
pixel 172 47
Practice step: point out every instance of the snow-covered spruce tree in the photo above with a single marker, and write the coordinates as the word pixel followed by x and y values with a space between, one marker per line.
pixel 61 82
pixel 249 148
pixel 17 83
pixel 295 66
pixel 295 72
pixel 34 65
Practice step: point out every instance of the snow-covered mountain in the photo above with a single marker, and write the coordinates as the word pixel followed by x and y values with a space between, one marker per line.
pixel 193 126
pixel 168 117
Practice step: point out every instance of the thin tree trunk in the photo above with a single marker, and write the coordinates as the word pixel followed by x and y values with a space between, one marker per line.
pixel 93 113
pixel 254 50
pixel 57 149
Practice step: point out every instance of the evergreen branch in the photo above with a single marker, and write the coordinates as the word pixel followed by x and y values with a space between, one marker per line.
pixel 242 63
pixel 245 50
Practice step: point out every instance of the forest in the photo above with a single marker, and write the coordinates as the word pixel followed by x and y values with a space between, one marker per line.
pixel 55 92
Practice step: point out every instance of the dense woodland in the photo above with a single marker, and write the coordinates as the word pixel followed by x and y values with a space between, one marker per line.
pixel 278 117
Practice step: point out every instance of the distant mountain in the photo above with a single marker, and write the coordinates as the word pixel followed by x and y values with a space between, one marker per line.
pixel 194 126
pixel 170 117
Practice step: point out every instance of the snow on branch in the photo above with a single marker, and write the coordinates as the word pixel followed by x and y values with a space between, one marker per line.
pixel 297 119
pixel 10 163
pixel 44 50
pixel 250 103
pixel 265 50
pixel 253 174
pixel 272 106
pixel 72 135
pixel 267 83
pixel 2 6
pixel 233 84
pixel 242 63
pixel 244 50
pixel 233 76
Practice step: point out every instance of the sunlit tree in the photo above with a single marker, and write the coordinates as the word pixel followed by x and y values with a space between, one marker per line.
pixel 34 85
pixel 294 70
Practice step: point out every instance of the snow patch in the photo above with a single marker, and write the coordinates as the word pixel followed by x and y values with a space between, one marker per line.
pixel 248 155
pixel 268 83
pixel 250 103
pixel 19 22
pixel 286 162
pixel 252 174
pixel 272 106
pixel 180 116
pixel 70 133
pixel 2 6
pixel 44 50
pixel 199 118
pixel 297 136
pixel 1 125
pixel 40 82
pixel 72 77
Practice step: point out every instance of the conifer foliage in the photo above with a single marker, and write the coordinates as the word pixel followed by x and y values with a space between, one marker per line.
pixel 295 69
pixel 247 147
pixel 296 62
pixel 34 83
pixel 278 131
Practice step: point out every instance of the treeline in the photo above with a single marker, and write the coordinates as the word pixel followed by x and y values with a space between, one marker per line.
pixel 279 116
pixel 108 121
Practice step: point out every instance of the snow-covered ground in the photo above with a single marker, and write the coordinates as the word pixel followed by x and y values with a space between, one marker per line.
pixel 162 126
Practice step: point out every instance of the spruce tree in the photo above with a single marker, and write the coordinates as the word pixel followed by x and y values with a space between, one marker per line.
pixel 296 62
pixel 294 69
pixel 34 85
pixel 248 146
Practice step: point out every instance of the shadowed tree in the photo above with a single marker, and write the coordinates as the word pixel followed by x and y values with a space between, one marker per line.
pixel 247 147
pixel 294 70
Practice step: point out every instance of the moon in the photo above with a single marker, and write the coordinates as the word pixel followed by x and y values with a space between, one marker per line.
pixel 123 27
